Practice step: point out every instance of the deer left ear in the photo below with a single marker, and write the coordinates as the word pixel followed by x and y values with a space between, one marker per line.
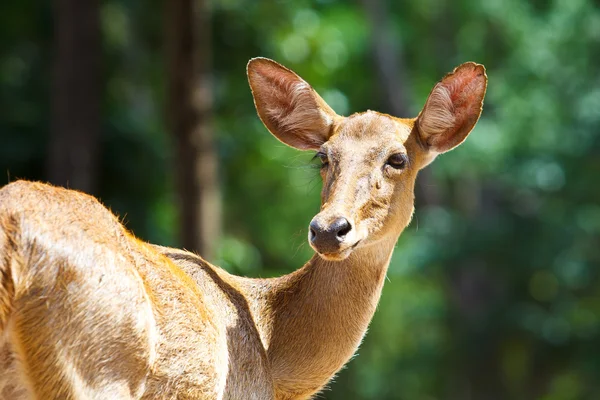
pixel 288 106
pixel 453 108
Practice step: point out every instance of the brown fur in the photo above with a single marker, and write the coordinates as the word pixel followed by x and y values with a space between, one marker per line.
pixel 89 311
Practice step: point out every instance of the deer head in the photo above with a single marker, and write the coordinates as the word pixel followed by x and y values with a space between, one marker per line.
pixel 369 160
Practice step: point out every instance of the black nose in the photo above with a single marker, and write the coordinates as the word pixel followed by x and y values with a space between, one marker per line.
pixel 327 239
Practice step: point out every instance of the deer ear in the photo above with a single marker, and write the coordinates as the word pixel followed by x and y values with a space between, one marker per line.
pixel 452 108
pixel 288 106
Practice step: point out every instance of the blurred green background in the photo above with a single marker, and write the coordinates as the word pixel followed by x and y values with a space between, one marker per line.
pixel 493 291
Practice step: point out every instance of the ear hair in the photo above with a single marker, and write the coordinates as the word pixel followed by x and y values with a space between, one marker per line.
pixel 453 108
pixel 441 111
pixel 300 113
pixel 288 106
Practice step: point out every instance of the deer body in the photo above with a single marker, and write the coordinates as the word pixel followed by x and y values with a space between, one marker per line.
pixel 89 311
pixel 113 318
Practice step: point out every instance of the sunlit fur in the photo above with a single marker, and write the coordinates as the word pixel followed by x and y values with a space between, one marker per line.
pixel 89 311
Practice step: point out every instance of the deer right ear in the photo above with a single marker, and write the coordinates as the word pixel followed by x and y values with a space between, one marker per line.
pixel 288 106
pixel 452 108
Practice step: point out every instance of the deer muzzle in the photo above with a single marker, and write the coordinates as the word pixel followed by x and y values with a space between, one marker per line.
pixel 333 238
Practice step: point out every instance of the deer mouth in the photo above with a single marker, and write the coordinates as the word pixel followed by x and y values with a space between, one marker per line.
pixel 339 255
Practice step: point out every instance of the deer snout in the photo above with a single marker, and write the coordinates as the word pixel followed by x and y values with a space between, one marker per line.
pixel 329 237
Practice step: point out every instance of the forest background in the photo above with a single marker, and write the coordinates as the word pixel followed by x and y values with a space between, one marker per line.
pixel 493 292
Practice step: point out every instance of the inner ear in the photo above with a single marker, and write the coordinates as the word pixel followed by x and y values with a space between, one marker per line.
pixel 453 108
pixel 288 106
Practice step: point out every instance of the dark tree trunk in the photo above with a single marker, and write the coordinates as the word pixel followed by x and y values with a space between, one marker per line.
pixel 388 60
pixel 190 122
pixel 76 95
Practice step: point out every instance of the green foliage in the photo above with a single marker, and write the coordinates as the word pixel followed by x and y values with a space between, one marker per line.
pixel 493 292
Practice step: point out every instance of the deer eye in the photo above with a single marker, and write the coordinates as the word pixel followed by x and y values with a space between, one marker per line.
pixel 323 157
pixel 397 161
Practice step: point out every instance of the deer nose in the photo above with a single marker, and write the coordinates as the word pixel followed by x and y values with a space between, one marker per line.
pixel 327 238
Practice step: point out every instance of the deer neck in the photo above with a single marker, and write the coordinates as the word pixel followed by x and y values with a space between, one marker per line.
pixel 320 313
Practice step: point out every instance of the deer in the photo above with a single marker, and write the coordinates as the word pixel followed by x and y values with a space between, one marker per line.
pixel 89 311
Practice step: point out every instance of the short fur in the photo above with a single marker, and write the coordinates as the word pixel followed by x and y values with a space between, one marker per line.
pixel 89 311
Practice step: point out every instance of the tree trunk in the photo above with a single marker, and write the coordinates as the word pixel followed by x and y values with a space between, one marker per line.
pixel 388 60
pixel 76 95
pixel 190 122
